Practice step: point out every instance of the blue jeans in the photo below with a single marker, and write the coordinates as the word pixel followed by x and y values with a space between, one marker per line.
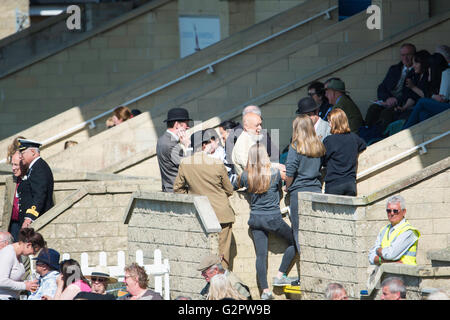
pixel 261 225
pixel 425 108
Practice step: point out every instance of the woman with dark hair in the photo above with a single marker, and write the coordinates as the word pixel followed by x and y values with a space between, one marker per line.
pixel 303 165
pixel 224 129
pixel 70 282
pixel 340 160
pixel 264 184
pixel 418 84
pixel 316 90
pixel 439 102
pixel 11 266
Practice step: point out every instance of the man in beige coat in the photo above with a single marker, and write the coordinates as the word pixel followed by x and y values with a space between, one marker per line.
pixel 204 175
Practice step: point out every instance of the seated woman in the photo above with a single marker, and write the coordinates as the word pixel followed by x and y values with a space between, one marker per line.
pixel 418 85
pixel 427 107
pixel 12 270
pixel 264 184
pixel 342 149
pixel 70 282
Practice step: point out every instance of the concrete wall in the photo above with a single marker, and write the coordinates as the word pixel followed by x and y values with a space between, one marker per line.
pixel 8 16
pixel 174 224
pixel 90 220
pixel 181 229
pixel 193 87
pixel 336 232
pixel 399 143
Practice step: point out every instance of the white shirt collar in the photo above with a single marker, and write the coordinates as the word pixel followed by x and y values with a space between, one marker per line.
pixel 173 135
pixel 32 162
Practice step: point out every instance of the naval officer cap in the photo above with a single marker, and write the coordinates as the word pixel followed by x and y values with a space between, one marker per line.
pixel 25 143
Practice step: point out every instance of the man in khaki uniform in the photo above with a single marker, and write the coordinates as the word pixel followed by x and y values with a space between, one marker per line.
pixel 204 175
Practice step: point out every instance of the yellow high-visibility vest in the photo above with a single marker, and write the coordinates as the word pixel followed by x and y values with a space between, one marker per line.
pixel 410 256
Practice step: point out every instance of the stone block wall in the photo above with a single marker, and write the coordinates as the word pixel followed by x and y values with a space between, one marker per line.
pixel 8 16
pixel 90 220
pixel 337 232
pixel 172 223
pixel 197 85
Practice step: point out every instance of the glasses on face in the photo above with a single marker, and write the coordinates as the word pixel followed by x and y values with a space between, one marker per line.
pixel 311 94
pixel 95 279
pixel 395 211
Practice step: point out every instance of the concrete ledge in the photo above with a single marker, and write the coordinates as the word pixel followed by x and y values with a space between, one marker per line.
pixel 201 203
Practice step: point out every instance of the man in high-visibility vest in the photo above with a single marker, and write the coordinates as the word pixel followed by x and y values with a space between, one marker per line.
pixel 397 241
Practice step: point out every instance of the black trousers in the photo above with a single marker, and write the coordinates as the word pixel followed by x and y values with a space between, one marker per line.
pixel 343 188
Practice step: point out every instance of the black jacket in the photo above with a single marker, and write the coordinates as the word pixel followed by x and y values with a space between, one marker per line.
pixel 390 82
pixel 36 191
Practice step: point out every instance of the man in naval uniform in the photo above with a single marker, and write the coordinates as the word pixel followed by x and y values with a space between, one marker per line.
pixel 36 190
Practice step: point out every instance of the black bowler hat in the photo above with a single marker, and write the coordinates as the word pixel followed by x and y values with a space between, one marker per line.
pixel 24 144
pixel 50 257
pixel 178 114
pixel 306 105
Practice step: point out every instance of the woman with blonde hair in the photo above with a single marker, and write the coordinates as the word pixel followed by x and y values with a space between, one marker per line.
pixel 220 288
pixel 340 160
pixel 303 165
pixel 264 184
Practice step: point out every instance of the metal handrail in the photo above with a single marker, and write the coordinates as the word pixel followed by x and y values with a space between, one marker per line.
pixel 421 147
pixel 208 67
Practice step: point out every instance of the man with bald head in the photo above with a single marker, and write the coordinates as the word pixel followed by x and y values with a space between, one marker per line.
pixel 252 134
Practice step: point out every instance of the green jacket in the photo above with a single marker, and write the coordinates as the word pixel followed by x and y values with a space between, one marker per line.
pixel 355 118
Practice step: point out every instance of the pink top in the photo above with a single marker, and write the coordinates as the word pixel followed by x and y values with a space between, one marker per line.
pixel 84 287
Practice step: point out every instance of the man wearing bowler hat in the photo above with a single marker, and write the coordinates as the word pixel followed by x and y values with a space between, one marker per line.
pixel 172 145
pixel 36 189
pixel 47 266
pixel 202 174
pixel 338 97
pixel 310 108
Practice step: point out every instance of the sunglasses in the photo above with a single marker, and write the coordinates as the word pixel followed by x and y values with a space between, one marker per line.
pixel 311 94
pixel 392 210
pixel 95 279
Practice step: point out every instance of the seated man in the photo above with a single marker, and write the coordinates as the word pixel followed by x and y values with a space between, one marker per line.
pixel 393 288
pixel 391 91
pixel 397 241
pixel 205 175
pixel 338 97
pixel 211 265
pixel 47 266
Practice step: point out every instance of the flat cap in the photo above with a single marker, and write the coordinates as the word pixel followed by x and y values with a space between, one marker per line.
pixel 208 261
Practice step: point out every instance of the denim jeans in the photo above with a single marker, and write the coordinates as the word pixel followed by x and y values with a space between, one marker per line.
pixel 425 108
pixel 261 225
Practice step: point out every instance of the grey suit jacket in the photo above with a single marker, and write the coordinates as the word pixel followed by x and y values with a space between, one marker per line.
pixel 169 153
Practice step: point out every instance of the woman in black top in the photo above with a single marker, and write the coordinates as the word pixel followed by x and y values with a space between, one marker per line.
pixel 341 156
pixel 418 86
pixel 303 165
pixel 264 184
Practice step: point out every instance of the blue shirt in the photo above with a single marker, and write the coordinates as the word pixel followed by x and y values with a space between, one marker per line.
pixel 47 286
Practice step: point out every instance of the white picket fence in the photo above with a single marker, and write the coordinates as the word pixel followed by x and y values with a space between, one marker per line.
pixel 160 270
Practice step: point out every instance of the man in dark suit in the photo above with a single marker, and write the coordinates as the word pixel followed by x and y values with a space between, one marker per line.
pixel 172 145
pixel 36 189
pixel 391 91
